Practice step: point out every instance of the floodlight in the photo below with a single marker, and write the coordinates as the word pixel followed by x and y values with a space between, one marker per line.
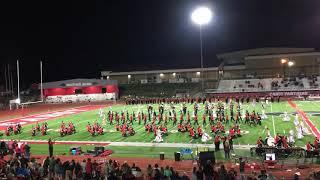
pixel 290 63
pixel 283 61
pixel 201 15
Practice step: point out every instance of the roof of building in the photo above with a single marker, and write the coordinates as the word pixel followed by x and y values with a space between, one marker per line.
pixel 110 73
pixel 263 51
pixel 282 55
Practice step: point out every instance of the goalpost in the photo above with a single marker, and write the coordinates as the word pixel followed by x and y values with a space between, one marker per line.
pixel 17 102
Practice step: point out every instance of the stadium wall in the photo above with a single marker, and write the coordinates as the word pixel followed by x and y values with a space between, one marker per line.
pixel 77 90
pixel 85 90
pixel 304 93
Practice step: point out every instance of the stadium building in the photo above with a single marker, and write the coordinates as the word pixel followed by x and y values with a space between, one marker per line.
pixel 273 68
pixel 78 90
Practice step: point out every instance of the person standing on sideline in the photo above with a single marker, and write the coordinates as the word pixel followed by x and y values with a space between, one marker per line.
pixel 226 149
pixel 242 163
pixel 50 144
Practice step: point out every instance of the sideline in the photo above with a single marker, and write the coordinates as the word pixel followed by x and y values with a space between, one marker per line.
pixel 309 123
pixel 136 144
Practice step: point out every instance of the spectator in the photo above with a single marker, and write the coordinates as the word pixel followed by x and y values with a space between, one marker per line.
pixel 167 172
pixel 23 172
pixel 242 164
pixel 156 174
pixel 88 169
pixel 78 170
pixel 271 177
pixel 208 170
pixel 50 144
pixel 58 170
pixel 226 148
pixel 184 176
pixel 83 167
pixel 51 167
pixel 194 173
pixel 262 175
pixel 149 170
pixel 222 172
pixel 46 165
pixel 199 173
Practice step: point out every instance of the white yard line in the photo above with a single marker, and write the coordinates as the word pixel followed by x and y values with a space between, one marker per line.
pixel 139 144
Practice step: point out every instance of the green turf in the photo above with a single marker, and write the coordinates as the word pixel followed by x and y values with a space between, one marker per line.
pixel 80 121
pixel 132 151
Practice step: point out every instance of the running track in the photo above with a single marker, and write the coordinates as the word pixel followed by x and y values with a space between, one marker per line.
pixel 47 116
pixel 314 130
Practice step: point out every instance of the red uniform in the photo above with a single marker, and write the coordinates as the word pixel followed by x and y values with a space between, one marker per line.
pixel 199 131
pixel 117 118
pixel 88 127
pixel 309 147
pixel 213 129
pixel 191 132
pixel 231 132
pixel 124 130
pixel 284 142
pixel 259 142
pixel 316 143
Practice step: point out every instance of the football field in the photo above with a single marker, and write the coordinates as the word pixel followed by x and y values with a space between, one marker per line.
pixel 250 134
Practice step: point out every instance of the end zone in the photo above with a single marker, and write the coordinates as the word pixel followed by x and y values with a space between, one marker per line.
pixel 47 116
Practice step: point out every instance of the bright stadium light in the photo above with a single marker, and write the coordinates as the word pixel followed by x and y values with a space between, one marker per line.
pixel 283 61
pixel 201 15
pixel 108 77
pixel 161 74
pixel 290 63
pixel 174 74
pixel 198 73
pixel 129 76
pixel 18 101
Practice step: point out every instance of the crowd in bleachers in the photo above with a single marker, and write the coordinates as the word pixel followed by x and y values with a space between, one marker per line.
pixel 54 168
pixel 275 84
pixel 270 84
pixel 19 165
pixel 250 84
pixel 313 81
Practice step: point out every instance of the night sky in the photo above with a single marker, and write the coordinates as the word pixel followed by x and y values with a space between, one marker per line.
pixel 78 39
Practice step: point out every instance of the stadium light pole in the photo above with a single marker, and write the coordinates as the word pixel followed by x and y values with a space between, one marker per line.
pixel 18 79
pixel 290 64
pixel 201 16
pixel 41 86
pixel 283 62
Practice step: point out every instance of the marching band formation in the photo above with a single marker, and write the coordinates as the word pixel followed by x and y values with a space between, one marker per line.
pixel 185 115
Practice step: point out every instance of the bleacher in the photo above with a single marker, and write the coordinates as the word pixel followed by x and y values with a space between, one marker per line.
pixel 243 85
pixel 269 84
